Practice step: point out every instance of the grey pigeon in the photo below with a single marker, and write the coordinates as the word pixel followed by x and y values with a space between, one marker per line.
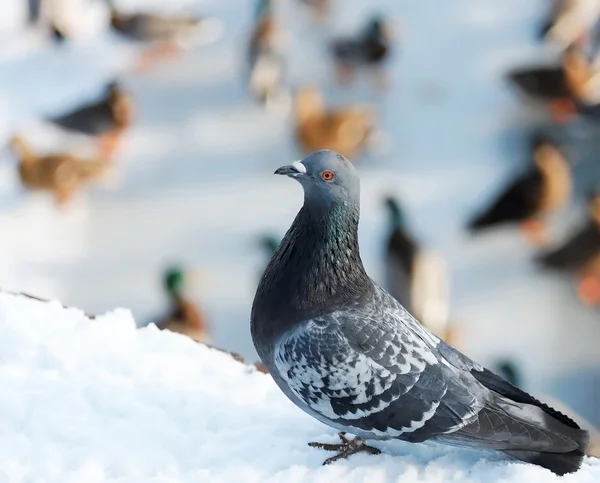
pixel 347 353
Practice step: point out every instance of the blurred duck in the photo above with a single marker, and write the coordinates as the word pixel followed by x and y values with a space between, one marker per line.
pixel 566 86
pixel 417 278
pixel 511 373
pixel 541 191
pixel 265 58
pixel 184 317
pixel 345 130
pixel 369 49
pixel 165 35
pixel 569 21
pixel 581 253
pixel 61 174
pixel 106 118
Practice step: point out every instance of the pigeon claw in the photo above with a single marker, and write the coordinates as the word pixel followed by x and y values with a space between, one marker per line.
pixel 346 448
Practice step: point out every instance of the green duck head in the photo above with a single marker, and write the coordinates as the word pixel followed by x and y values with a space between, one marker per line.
pixel 174 281
pixel 509 371
pixel 397 216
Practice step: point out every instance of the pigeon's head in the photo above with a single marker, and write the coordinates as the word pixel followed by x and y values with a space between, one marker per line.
pixel 327 178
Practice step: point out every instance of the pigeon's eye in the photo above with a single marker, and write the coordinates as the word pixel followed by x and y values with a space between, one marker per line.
pixel 327 175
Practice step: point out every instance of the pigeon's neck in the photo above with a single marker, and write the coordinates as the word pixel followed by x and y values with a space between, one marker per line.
pixel 317 268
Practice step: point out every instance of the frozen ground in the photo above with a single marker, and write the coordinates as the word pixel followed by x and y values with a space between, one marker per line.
pixel 194 185
pixel 98 400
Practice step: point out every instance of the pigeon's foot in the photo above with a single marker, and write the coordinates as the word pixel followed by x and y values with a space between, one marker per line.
pixel 346 448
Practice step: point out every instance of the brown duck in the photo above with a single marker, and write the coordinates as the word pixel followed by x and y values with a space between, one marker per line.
pixel 61 174
pixel 581 254
pixel 532 197
pixel 564 87
pixel 345 130
pixel 184 317
pixel 265 59
pixel 163 35
pixel 105 119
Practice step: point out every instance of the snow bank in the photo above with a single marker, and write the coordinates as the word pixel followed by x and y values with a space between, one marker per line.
pixel 90 400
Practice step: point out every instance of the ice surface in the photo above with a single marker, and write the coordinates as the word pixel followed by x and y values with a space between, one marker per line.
pixel 101 401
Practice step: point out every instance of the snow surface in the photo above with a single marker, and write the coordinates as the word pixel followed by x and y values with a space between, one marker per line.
pixel 194 177
pixel 100 400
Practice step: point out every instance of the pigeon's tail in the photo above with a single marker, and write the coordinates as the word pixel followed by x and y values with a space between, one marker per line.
pixel 559 463
pixel 525 428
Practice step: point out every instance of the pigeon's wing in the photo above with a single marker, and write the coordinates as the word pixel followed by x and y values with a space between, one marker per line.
pixel 367 370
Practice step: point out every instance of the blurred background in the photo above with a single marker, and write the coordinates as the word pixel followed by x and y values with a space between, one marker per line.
pixel 139 137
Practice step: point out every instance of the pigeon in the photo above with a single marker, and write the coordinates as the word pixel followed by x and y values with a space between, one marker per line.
pixel 347 353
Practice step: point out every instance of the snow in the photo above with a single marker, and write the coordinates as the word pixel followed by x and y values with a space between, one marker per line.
pixel 103 401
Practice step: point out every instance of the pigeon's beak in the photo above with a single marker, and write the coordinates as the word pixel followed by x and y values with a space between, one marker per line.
pixel 293 170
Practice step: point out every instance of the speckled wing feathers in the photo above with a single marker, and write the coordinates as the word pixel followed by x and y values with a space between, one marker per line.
pixel 368 368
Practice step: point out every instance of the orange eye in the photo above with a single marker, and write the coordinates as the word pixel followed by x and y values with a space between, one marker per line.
pixel 327 175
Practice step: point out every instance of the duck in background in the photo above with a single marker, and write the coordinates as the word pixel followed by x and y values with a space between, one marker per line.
pixel 581 253
pixel 565 87
pixel 533 196
pixel 416 277
pixel 569 22
pixel 184 316
pixel 163 36
pixel 265 57
pixel 347 130
pixel 511 372
pixel 369 50
pixel 61 174
pixel 105 119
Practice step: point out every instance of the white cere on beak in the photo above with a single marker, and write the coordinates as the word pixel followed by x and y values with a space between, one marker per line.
pixel 299 166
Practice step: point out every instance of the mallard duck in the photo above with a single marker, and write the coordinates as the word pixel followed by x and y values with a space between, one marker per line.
pixel 581 253
pixel 369 49
pixel 265 57
pixel 539 192
pixel 563 86
pixel 163 34
pixel 106 118
pixel 62 174
pixel 416 277
pixel 345 130
pixel 184 317
pixel 569 22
